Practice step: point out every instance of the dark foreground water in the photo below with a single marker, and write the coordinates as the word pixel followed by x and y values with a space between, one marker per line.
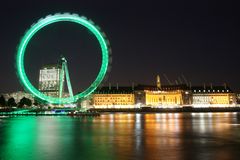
pixel 122 136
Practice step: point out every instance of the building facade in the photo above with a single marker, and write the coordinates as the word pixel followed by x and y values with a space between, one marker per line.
pixel 140 96
pixel 238 98
pixel 49 80
pixel 113 97
pixel 219 96
pixel 164 96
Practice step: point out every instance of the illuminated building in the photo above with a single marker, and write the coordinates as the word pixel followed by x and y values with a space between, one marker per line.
pixel 49 80
pixel 159 98
pixel 213 96
pixel 238 98
pixel 167 96
pixel 141 96
pixel 113 97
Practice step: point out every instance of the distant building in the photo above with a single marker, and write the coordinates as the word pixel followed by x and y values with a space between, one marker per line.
pixel 49 80
pixel 18 96
pixel 141 96
pixel 163 98
pixel 166 96
pixel 238 98
pixel 213 96
pixel 113 97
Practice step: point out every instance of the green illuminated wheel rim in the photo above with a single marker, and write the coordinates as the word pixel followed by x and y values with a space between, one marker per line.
pixel 66 17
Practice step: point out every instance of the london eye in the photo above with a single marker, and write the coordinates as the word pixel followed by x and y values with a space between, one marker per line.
pixel 57 18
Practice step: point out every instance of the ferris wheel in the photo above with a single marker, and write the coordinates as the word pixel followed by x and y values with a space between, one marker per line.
pixel 66 17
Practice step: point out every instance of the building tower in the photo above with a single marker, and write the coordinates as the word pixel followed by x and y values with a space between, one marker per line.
pixel 158 82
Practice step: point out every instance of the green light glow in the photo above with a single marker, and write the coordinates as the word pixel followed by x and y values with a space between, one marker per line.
pixel 43 23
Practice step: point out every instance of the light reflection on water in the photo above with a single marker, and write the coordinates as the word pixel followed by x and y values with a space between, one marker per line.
pixel 122 136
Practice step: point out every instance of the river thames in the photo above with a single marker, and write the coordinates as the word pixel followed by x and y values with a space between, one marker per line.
pixel 120 136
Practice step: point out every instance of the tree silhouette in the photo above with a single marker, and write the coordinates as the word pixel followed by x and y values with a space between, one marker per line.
pixel 2 101
pixel 25 101
pixel 11 102
pixel 36 102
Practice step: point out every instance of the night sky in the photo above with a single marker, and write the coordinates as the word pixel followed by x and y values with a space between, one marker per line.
pixel 197 39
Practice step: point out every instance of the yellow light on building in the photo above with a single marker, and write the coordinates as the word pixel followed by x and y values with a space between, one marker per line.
pixel 113 100
pixel 159 98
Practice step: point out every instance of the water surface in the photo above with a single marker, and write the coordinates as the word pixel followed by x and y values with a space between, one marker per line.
pixel 119 136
